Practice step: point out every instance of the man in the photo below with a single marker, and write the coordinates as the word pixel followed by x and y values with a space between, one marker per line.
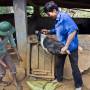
pixel 6 36
pixel 65 30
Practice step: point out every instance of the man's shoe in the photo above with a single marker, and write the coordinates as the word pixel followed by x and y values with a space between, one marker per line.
pixel 80 88
pixel 54 81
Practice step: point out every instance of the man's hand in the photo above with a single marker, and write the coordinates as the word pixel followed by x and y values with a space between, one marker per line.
pixel 64 50
pixel 45 31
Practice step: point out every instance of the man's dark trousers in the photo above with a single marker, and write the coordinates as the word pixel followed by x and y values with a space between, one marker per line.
pixel 60 60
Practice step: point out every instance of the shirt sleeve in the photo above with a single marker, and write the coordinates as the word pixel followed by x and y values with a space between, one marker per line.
pixel 52 31
pixel 70 25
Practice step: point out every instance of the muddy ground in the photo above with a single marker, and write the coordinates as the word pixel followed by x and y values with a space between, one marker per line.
pixel 66 84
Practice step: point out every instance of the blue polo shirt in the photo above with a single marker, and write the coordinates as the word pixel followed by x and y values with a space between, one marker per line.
pixel 64 26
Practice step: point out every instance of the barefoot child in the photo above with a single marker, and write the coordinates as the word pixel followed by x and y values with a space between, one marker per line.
pixel 6 36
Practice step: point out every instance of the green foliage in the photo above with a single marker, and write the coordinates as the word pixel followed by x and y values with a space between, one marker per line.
pixel 42 13
pixel 4 10
pixel 30 9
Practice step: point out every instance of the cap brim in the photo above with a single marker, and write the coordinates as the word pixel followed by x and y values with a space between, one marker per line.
pixel 3 33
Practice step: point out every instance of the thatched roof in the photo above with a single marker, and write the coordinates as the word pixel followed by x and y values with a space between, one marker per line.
pixel 61 3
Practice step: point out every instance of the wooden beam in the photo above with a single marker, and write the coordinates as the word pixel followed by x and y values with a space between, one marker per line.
pixel 62 3
pixel 74 4
pixel 6 2
pixel 21 27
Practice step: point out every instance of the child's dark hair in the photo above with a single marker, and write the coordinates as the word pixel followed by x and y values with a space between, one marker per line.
pixel 49 6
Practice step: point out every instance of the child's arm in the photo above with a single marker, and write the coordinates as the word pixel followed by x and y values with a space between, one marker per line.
pixel 13 44
pixel 3 64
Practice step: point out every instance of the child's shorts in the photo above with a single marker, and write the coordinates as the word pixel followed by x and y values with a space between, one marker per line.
pixel 6 58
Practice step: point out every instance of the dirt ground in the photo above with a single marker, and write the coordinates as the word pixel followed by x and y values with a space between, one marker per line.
pixel 66 84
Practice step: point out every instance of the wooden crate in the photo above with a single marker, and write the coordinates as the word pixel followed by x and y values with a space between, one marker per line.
pixel 39 63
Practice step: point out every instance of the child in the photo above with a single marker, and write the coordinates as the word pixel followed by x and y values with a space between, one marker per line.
pixel 6 36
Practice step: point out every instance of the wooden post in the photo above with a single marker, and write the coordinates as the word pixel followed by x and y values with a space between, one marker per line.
pixel 21 28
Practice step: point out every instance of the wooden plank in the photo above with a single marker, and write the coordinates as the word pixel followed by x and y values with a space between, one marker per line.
pixel 21 28
pixel 28 58
pixel 41 58
pixel 53 65
pixel 48 59
pixel 34 57
pixel 39 70
pixel 42 76
pixel 39 73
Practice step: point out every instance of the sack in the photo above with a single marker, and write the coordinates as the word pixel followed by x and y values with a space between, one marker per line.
pixel 42 85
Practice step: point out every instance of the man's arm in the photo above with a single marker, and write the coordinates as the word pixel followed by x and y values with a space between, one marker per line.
pixel 69 39
pixel 46 31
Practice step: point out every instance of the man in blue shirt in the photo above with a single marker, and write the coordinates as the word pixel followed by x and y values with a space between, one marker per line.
pixel 65 30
